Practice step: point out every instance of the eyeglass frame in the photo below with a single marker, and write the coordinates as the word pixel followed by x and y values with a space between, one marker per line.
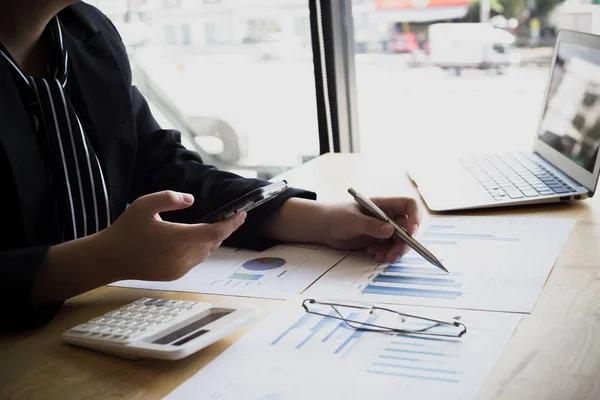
pixel 384 329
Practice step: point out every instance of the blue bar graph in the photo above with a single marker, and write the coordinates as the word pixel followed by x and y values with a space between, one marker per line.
pixel 426 338
pixel 433 241
pixel 436 227
pixel 411 280
pixel 467 236
pixel 355 335
pixel 402 291
pixel 431 378
pixel 399 268
pixel 324 321
pixel 396 359
pixel 425 369
pixel 400 358
pixel 340 325
pixel 419 352
pixel 414 344
pixel 298 324
pixel 411 260
pixel 459 235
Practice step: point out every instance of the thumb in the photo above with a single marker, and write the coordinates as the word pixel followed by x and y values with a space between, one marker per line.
pixel 374 227
pixel 168 200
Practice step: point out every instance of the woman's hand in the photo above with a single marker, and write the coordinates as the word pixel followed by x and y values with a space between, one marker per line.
pixel 140 245
pixel 349 227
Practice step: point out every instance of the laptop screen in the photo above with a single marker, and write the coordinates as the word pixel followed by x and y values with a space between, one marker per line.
pixel 571 118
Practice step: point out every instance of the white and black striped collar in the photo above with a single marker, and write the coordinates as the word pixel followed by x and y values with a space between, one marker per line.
pixel 61 66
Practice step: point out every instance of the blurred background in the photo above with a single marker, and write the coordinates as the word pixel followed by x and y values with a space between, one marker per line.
pixel 236 77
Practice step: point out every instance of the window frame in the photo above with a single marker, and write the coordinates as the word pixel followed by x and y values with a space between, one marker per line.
pixel 332 34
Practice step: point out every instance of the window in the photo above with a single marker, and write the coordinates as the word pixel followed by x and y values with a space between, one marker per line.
pixel 186 35
pixel 428 83
pixel 235 77
pixel 170 34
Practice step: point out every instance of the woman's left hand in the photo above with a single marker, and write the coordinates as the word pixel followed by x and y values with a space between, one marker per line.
pixel 349 227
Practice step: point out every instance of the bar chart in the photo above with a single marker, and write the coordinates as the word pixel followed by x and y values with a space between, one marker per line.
pixel 297 355
pixel 413 276
pixel 408 356
pixel 420 357
pixel 324 332
pixel 489 260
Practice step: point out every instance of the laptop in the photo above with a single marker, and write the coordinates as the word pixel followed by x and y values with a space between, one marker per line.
pixel 564 162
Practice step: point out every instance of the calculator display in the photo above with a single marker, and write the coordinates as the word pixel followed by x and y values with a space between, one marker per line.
pixel 213 315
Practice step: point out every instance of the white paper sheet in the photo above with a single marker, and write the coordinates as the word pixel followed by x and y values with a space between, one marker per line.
pixel 294 355
pixel 278 273
pixel 495 264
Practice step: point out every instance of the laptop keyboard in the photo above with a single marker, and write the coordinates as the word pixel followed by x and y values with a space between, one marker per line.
pixel 515 176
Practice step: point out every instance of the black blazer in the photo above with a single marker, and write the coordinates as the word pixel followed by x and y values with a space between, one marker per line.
pixel 137 156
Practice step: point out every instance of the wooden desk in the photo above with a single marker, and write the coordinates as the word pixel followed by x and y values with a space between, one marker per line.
pixel 554 354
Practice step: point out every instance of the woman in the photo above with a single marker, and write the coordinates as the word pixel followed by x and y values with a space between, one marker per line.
pixel 78 144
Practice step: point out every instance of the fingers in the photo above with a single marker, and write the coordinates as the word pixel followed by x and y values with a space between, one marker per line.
pixel 217 232
pixel 373 227
pixel 168 200
pixel 404 210
pixel 389 252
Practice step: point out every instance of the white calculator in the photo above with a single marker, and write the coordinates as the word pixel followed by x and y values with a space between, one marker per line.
pixel 158 328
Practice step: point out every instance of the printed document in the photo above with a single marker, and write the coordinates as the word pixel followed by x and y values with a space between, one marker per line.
pixel 278 273
pixel 296 355
pixel 497 264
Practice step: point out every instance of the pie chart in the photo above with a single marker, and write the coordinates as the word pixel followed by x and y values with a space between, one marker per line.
pixel 264 264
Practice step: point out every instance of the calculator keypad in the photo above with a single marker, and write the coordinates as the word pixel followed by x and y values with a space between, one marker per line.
pixel 140 318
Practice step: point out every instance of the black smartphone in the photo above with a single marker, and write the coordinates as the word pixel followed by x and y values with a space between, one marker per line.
pixel 245 203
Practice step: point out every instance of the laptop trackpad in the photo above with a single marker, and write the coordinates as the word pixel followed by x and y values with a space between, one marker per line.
pixel 449 186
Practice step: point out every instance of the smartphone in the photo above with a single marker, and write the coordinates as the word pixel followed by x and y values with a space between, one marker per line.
pixel 245 203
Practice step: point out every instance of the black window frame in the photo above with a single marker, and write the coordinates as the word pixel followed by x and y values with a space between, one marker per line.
pixel 332 35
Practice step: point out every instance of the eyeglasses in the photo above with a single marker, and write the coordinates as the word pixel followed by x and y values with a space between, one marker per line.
pixel 406 323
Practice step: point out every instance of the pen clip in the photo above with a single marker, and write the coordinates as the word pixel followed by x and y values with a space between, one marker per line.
pixel 369 206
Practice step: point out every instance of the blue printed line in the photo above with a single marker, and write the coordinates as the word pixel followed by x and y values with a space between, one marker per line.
pixel 297 324
pixel 412 260
pixel 441 371
pixel 412 280
pixel 399 268
pixel 340 325
pixel 469 236
pixel 407 343
pixel 426 353
pixel 402 291
pixel 431 378
pixel 435 226
pixel 356 335
pixel 436 339
pixel 459 235
pixel 451 242
pixel 401 358
pixel 316 328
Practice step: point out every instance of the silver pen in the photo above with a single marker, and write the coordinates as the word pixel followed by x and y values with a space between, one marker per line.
pixel 399 231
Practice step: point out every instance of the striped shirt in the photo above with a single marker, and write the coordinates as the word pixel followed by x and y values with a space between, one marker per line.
pixel 73 163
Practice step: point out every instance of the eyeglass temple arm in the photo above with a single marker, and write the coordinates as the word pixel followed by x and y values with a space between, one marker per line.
pixel 313 301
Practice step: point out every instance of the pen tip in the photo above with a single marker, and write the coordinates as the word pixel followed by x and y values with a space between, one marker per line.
pixel 439 264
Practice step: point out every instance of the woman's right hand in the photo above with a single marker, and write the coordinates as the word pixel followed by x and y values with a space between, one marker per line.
pixel 140 245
